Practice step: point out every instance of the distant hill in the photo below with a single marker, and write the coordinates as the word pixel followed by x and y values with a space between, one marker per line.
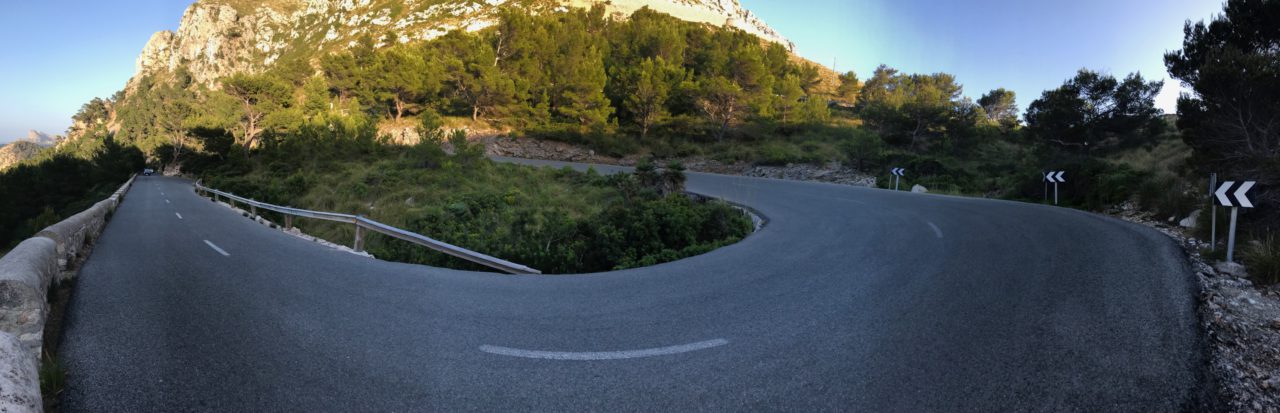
pixel 18 151
pixel 40 138
pixel 25 148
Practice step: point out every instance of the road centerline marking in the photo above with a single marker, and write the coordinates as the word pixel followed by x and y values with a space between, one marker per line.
pixel 602 355
pixel 215 248
pixel 179 215
pixel 166 201
pixel 936 230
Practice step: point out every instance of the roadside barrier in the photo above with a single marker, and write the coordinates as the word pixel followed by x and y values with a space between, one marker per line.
pixel 25 275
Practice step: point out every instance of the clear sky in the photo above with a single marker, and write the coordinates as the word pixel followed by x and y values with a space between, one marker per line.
pixel 58 54
pixel 55 55
pixel 1023 45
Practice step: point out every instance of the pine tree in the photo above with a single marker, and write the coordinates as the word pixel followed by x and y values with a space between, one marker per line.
pixel 258 95
pixel 652 82
pixel 721 100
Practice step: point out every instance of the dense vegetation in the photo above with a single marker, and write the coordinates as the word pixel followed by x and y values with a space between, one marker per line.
pixel 61 183
pixel 558 221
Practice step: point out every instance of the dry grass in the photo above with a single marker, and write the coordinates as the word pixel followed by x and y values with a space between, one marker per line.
pixel 1263 259
pixel 1162 160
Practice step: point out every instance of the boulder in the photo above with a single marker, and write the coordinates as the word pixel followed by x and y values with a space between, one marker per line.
pixel 1190 220
pixel 1233 269
pixel 919 189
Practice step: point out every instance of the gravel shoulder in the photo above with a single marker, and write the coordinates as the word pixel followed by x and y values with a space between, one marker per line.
pixel 1241 321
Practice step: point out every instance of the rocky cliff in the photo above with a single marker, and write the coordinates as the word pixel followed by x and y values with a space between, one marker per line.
pixel 16 152
pixel 26 148
pixel 219 37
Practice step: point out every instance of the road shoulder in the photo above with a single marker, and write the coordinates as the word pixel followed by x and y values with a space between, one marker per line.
pixel 1241 326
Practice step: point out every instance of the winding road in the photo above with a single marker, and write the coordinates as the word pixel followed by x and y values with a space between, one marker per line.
pixel 849 299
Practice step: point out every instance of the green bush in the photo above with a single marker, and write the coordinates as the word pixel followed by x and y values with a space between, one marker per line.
pixel 1168 197
pixel 555 220
pixel 63 182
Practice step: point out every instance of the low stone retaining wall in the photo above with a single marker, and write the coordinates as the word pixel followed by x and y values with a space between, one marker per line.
pixel 25 275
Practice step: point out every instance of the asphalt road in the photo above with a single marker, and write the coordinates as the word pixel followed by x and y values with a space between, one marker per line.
pixel 850 299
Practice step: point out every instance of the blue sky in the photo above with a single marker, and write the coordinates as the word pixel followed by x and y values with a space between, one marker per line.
pixel 58 54
pixel 1023 45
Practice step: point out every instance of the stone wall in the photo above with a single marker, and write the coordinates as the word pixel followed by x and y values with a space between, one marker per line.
pixel 25 275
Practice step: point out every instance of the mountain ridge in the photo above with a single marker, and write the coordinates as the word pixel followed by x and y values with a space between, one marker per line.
pixel 217 38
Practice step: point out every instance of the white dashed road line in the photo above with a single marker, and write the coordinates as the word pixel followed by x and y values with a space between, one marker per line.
pixel 215 248
pixel 179 215
pixel 936 231
pixel 603 355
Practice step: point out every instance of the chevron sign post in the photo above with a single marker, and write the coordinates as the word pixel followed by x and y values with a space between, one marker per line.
pixel 1056 177
pixel 897 173
pixel 1234 195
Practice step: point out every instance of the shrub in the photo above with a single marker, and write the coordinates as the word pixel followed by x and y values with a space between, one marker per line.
pixel 1167 197
pixel 1263 259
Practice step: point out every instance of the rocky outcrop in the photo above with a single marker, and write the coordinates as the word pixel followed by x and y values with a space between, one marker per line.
pixel 26 148
pixel 16 152
pixel 214 40
pixel 40 138
pixel 715 12
pixel 217 38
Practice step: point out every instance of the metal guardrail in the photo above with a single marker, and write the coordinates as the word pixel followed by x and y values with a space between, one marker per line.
pixel 362 224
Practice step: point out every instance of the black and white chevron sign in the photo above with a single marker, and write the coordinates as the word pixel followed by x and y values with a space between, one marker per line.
pixel 899 172
pixel 1234 194
pixel 1055 177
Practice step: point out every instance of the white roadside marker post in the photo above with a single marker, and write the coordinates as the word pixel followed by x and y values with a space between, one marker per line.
pixel 1235 196
pixel 1213 213
pixel 898 173
pixel 1046 185
pixel 1056 178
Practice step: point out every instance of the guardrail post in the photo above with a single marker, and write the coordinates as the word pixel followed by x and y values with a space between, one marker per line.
pixel 288 221
pixel 253 209
pixel 359 243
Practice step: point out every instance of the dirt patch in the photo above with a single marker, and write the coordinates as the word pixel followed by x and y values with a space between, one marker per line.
pixel 560 151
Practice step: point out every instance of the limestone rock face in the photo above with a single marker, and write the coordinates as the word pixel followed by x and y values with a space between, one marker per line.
pixel 157 52
pixel 214 40
pixel 715 12
pixel 217 38
pixel 16 152
pixel 24 149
